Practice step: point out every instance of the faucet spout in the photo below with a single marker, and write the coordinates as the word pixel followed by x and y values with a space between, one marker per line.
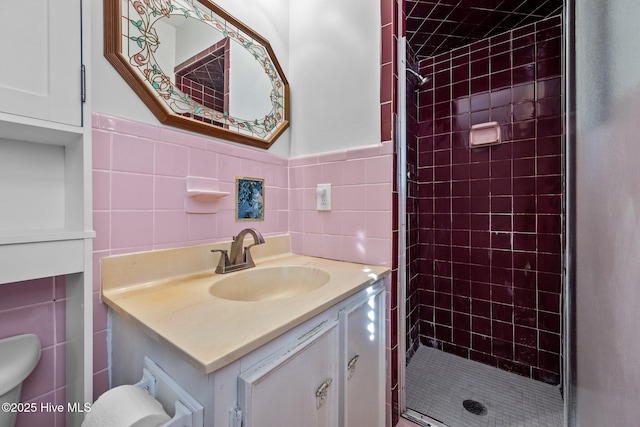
pixel 240 253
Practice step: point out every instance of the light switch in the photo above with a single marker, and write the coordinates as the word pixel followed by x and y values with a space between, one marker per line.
pixel 323 197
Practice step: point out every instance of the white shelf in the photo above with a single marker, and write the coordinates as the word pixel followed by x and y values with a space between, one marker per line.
pixel 20 128
pixel 34 260
pixel 36 236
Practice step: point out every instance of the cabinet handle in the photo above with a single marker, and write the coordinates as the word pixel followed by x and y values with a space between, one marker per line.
pixel 83 83
pixel 351 366
pixel 321 392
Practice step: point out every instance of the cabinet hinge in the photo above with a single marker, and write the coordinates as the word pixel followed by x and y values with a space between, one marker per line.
pixel 83 83
pixel 235 417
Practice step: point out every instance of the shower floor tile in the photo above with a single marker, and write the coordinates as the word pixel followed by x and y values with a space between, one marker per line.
pixel 438 383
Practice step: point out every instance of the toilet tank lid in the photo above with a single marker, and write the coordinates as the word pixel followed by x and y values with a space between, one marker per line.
pixel 19 355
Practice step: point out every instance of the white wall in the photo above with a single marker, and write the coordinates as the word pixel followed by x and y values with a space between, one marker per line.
pixel 329 51
pixel 608 212
pixel 335 74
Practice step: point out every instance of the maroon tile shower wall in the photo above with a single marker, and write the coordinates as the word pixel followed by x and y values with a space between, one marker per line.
pixel 489 220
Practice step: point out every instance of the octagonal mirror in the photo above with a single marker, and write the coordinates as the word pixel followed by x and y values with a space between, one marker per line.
pixel 198 68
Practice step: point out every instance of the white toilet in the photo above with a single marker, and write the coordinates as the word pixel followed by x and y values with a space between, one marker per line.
pixel 19 355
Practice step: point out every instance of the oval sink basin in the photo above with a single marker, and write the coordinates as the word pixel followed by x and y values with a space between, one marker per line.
pixel 270 283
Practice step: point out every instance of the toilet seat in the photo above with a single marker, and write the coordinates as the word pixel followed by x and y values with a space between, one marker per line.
pixel 18 357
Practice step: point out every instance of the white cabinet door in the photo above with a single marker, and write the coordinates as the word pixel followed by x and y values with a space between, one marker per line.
pixel 298 386
pixel 363 361
pixel 41 58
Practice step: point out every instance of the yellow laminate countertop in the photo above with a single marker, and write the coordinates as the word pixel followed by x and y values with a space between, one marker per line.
pixel 167 294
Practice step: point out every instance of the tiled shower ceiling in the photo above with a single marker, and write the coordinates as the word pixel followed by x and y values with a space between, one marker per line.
pixel 438 26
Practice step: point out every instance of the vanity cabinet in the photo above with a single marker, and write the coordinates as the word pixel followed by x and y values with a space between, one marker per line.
pixel 363 362
pixel 329 371
pixel 296 386
pixel 332 376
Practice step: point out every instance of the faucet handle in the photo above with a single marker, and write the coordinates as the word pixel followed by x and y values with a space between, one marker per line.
pixel 224 260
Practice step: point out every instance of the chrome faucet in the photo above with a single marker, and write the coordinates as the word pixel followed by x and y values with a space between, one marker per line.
pixel 239 257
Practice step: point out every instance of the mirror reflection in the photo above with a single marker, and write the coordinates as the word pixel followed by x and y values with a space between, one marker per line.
pixel 198 68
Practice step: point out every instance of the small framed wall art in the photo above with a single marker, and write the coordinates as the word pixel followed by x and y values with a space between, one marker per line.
pixel 249 199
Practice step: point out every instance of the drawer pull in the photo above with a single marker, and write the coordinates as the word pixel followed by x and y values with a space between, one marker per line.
pixel 351 366
pixel 321 392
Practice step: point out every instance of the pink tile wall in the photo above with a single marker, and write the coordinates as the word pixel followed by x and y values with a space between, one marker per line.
pixel 139 189
pixel 358 228
pixel 38 307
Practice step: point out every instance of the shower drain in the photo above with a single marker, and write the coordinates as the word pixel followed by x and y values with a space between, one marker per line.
pixel 475 407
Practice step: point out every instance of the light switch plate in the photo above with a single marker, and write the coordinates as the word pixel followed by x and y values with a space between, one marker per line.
pixel 323 197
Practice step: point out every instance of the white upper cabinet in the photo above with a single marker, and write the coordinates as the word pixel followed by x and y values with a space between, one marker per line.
pixel 40 75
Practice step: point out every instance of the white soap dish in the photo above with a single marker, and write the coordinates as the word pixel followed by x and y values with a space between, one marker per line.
pixel 485 134
pixel 202 195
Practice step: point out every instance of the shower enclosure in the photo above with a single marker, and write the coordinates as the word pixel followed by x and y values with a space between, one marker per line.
pixel 484 226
